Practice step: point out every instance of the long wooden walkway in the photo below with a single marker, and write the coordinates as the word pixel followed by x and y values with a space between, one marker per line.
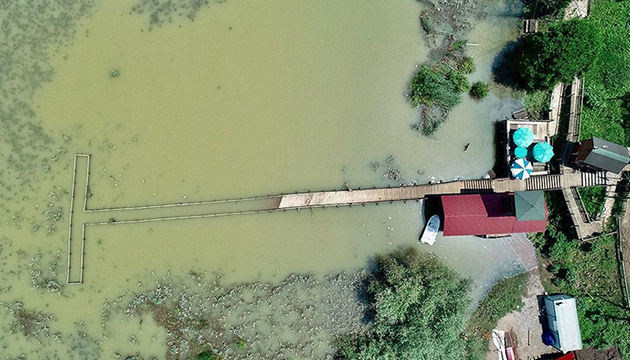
pixel 365 196
pixel 83 217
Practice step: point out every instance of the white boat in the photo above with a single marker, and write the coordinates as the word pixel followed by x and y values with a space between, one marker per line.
pixel 431 230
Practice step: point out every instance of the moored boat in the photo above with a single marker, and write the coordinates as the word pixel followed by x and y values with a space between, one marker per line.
pixel 431 230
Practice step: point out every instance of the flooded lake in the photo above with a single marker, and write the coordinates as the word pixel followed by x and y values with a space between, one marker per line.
pixel 249 99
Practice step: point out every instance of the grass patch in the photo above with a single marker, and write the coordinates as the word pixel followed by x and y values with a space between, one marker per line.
pixel 506 296
pixel 593 199
pixel 606 111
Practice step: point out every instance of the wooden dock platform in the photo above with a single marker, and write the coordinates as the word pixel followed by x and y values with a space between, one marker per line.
pixel 83 217
pixel 365 196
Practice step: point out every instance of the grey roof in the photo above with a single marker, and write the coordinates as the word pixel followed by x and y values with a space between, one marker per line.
pixel 565 325
pixel 607 156
pixel 529 205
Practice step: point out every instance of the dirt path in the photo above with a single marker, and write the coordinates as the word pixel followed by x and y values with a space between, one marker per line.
pixel 624 228
pixel 525 323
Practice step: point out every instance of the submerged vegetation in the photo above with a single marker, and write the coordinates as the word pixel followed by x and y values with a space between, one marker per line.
pixel 161 12
pixel 440 86
pixel 437 86
pixel 205 319
pixel 418 309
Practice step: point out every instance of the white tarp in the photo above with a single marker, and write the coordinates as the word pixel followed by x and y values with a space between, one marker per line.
pixel 498 338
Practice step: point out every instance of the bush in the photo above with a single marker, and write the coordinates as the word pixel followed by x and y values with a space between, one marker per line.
pixel 593 199
pixel 418 307
pixel 479 90
pixel 207 355
pixel 537 103
pixel 431 86
pixel 467 65
pixel 557 55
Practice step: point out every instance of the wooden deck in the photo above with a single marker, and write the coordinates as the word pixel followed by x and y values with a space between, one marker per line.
pixel 575 110
pixel 366 196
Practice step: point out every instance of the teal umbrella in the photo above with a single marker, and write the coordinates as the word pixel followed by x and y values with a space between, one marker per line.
pixel 520 152
pixel 543 152
pixel 523 137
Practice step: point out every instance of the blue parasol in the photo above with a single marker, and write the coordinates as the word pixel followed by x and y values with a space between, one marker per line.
pixel 521 169
pixel 520 152
pixel 543 152
pixel 523 137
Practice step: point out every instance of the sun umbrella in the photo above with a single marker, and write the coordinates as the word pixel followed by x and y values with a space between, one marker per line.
pixel 523 137
pixel 543 152
pixel 521 169
pixel 520 152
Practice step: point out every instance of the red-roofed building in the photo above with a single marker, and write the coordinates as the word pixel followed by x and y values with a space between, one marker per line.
pixel 494 214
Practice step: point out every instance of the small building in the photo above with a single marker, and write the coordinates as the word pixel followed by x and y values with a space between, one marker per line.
pixel 598 154
pixel 494 214
pixel 562 322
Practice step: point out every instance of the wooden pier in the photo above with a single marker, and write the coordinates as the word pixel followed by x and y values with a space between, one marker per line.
pixel 82 217
pixel 365 196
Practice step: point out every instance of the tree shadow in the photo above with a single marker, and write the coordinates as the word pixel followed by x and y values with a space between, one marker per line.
pixel 503 69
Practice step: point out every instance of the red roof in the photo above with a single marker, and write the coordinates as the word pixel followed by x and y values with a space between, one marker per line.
pixel 483 214
pixel 569 356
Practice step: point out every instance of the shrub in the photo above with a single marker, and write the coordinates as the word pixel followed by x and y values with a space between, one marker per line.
pixel 537 102
pixel 479 90
pixel 458 45
pixel 589 271
pixel 458 80
pixel 430 86
pixel 467 65
pixel 593 199
pixel 606 113
pixel 419 310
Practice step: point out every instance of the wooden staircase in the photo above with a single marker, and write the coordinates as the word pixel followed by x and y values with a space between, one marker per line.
pixel 548 182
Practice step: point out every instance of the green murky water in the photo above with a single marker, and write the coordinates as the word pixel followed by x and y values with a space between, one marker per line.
pixel 251 98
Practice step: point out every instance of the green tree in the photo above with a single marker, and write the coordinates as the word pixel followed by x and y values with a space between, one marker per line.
pixel 419 310
pixel 557 55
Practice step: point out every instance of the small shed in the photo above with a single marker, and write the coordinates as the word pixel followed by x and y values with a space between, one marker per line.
pixel 600 154
pixel 562 321
pixel 530 206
